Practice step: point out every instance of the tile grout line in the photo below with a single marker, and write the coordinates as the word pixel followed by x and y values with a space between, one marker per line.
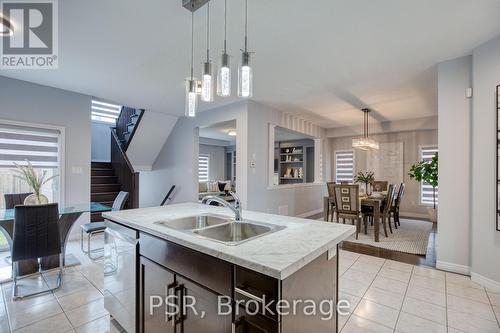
pixel 5 307
pixel 404 297
pixel 446 300
pixel 362 297
pixel 492 308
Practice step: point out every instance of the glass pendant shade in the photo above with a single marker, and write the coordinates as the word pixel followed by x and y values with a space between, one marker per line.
pixel 191 98
pixel 207 90
pixel 245 77
pixel 224 77
pixel 365 144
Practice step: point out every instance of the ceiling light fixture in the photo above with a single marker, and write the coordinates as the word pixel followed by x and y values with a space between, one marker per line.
pixel 191 95
pixel 207 91
pixel 6 27
pixel 365 143
pixel 245 73
pixel 231 132
pixel 224 73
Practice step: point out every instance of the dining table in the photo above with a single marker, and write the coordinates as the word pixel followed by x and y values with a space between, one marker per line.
pixel 68 215
pixel 374 201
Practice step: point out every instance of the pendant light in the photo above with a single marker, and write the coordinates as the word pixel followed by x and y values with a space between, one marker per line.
pixel 365 143
pixel 245 74
pixel 207 91
pixel 191 95
pixel 224 73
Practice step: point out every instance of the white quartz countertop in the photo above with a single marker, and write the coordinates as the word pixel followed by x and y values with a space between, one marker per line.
pixel 278 254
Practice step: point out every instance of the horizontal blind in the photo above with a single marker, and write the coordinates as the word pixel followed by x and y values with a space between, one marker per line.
pixel 426 192
pixel 344 166
pixel 18 144
pixel 104 111
pixel 203 167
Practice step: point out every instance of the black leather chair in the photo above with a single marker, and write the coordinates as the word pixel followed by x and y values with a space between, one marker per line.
pixel 36 235
pixel 14 199
pixel 94 228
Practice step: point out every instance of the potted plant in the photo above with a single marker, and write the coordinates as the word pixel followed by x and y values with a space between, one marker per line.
pixel 366 178
pixel 35 180
pixel 427 171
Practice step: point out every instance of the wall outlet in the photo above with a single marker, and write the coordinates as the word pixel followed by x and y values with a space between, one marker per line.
pixel 283 210
pixel 76 170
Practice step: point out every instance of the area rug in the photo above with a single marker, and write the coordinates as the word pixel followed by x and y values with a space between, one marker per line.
pixel 411 237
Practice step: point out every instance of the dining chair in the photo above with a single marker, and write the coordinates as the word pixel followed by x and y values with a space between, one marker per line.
pixel 36 235
pixel 347 204
pixel 94 228
pixel 331 195
pixel 380 185
pixel 397 204
pixel 14 199
pixel 385 213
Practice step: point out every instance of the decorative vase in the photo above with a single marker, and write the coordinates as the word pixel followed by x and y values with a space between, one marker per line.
pixel 34 199
pixel 369 190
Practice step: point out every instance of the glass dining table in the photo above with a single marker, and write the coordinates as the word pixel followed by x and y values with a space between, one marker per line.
pixel 68 214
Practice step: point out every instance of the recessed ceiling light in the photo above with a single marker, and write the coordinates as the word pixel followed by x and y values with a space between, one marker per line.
pixel 6 27
pixel 231 133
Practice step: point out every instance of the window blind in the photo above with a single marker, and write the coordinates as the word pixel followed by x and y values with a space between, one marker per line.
pixel 105 112
pixel 344 166
pixel 426 192
pixel 39 146
pixel 203 167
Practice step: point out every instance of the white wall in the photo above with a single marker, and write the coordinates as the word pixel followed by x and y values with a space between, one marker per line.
pixel 217 164
pixel 454 77
pixel 485 239
pixel 300 200
pixel 27 102
pixel 177 162
pixel 412 141
pixel 101 142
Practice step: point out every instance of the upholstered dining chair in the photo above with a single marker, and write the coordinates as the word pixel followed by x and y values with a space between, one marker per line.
pixel 379 186
pixel 347 204
pixel 36 235
pixel 14 199
pixel 94 228
pixel 397 204
pixel 331 194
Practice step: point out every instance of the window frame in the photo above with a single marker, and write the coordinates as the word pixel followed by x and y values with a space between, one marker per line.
pixel 421 184
pixel 61 150
pixel 208 167
pixel 335 163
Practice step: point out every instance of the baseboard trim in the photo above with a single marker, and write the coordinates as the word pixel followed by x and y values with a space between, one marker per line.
pixel 311 213
pixel 454 268
pixel 414 216
pixel 485 282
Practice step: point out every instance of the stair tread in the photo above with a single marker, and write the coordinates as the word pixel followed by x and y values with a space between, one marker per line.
pixel 111 192
pixel 130 124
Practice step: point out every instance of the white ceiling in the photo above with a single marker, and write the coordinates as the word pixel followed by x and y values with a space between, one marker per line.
pixel 219 132
pixel 323 59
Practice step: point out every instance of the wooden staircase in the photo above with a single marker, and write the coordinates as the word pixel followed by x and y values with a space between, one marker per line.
pixel 104 186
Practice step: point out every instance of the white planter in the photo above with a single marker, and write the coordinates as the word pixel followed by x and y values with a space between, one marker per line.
pixel 433 213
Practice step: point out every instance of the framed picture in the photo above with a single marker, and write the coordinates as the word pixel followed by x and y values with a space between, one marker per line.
pixel 497 104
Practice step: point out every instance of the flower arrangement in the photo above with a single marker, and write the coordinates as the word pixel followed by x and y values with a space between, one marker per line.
pixel 33 178
pixel 366 177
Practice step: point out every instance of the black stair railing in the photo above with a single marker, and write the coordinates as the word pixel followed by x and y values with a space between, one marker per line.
pixel 127 124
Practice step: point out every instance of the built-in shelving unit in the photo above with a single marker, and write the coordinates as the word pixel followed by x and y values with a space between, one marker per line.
pixel 292 168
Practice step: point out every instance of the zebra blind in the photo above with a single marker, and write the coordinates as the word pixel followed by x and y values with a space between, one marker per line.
pixel 39 146
pixel 203 167
pixel 105 112
pixel 344 166
pixel 426 192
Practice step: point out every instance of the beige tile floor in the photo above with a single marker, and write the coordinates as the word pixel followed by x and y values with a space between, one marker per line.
pixel 385 296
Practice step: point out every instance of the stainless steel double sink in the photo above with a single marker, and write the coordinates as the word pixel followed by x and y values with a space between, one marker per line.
pixel 221 229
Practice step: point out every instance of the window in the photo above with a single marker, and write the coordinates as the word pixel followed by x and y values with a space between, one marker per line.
pixel 344 166
pixel 426 192
pixel 203 167
pixel 105 112
pixel 39 146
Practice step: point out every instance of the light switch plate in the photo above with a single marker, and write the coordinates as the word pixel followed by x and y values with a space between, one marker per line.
pixel 76 170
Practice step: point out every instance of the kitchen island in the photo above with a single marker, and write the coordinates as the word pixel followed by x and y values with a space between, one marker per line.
pixel 268 283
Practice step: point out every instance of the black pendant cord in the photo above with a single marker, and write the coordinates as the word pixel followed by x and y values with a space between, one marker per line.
pixel 225 26
pixel 246 25
pixel 208 31
pixel 192 46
